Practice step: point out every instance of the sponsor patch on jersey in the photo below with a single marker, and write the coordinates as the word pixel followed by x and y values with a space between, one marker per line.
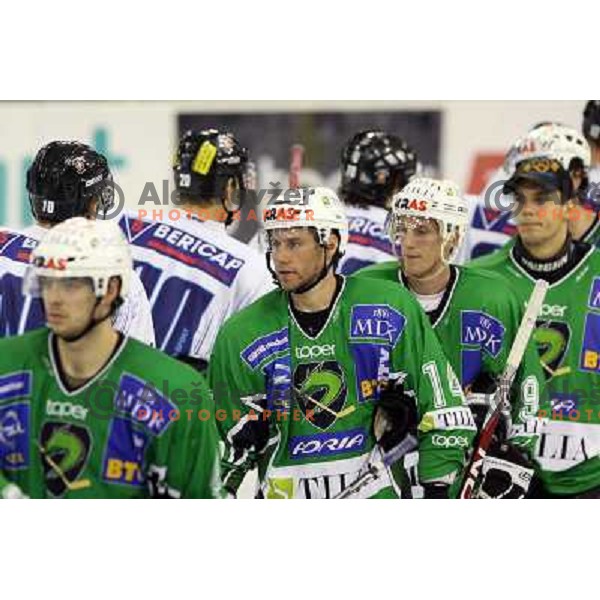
pixel 124 454
pixel 280 488
pixel 278 375
pixel 365 232
pixel 563 403
pixel 594 301
pixel 590 350
pixel 14 436
pixel 64 452
pixel 327 444
pixel 482 330
pixel 190 250
pixel 264 347
pixel 376 322
pixel 142 403
pixel 15 385
pixel 372 366
pixel 459 417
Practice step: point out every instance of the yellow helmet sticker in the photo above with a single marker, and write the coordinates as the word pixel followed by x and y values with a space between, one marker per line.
pixel 204 159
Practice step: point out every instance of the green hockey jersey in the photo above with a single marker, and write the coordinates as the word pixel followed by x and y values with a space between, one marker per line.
pixel 566 435
pixel 476 324
pixel 318 393
pixel 143 427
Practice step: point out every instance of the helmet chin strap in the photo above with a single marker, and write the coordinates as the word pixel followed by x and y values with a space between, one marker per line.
pixel 92 323
pixel 307 286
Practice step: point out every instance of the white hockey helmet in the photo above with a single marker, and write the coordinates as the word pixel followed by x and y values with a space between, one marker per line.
pixel 80 247
pixel 427 198
pixel 317 207
pixel 550 141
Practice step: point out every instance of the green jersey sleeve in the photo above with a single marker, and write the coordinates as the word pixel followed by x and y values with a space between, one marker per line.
pixel 240 399
pixel 185 462
pixel 446 427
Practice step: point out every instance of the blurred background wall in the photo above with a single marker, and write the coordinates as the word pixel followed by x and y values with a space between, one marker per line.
pixel 462 140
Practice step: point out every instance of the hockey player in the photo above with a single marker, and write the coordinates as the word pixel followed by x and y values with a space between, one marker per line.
pixel 308 365
pixel 195 274
pixel 374 165
pixel 550 140
pixel 474 315
pixel 66 179
pixel 86 412
pixel 565 438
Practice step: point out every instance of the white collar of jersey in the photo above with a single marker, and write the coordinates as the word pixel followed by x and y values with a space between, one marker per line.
pixel 429 302
pixel 437 313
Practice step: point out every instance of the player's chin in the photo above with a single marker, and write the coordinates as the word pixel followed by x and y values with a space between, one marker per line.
pixel 414 268
pixel 61 330
pixel 531 235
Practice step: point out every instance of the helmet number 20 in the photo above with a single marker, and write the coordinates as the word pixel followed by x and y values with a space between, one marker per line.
pixel 185 180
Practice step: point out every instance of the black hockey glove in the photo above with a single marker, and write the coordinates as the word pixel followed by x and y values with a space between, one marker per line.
pixel 479 395
pixel 435 491
pixel 395 416
pixel 506 472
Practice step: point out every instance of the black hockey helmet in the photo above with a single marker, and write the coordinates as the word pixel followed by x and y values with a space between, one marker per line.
pixel 591 121
pixel 63 180
pixel 206 160
pixel 374 164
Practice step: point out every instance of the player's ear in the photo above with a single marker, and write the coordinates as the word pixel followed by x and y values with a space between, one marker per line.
pixel 568 210
pixel 114 289
pixel 451 244
pixel 332 244
pixel 230 195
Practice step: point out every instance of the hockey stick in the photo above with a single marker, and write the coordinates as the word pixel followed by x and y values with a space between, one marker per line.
pixel 500 401
pixel 375 469
pixel 70 485
pixel 558 372
pixel 338 415
pixel 296 160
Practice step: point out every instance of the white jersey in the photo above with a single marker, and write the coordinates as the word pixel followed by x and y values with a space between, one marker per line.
pixel 368 242
pixel 20 313
pixel 196 276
